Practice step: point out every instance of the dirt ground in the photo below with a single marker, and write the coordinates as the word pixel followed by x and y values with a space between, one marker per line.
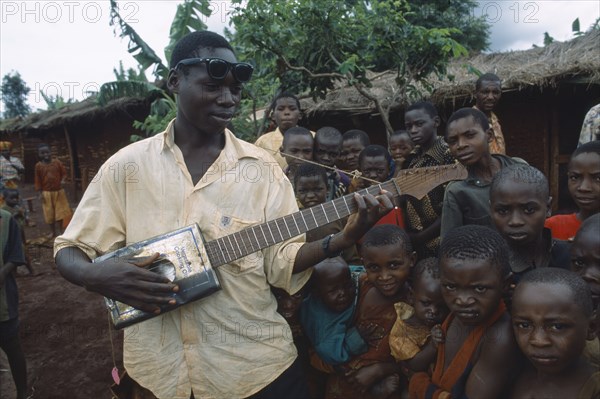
pixel 64 329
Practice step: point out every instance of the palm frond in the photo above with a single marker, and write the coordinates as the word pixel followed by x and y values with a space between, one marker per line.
pixel 188 18
pixel 130 88
pixel 137 47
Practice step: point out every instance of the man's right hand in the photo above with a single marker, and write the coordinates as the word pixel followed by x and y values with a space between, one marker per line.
pixel 124 280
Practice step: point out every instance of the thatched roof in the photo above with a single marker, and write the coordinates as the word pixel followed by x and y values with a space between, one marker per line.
pixel 72 114
pixel 577 59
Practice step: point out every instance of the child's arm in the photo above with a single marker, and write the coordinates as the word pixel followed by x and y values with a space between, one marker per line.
pixel 38 177
pixel 451 213
pixel 422 360
pixel 363 378
pixel 494 368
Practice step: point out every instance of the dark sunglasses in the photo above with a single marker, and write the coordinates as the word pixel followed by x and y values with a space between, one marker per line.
pixel 218 68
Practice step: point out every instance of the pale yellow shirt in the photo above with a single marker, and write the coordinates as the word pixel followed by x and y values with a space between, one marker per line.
pixel 272 142
pixel 232 343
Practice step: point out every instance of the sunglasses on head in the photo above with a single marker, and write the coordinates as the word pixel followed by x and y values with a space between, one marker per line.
pixel 218 68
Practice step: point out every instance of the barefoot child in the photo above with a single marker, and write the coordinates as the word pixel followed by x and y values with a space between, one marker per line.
pixel 10 258
pixel 310 186
pixel 285 112
pixel 479 358
pixel 326 314
pixel 585 261
pixel 468 135
pixel 388 258
pixel 423 216
pixel 520 202
pixel 400 146
pixel 411 340
pixel 50 175
pixel 12 204
pixel 583 180
pixel 374 165
pixel 297 146
pixel 328 145
pixel 552 319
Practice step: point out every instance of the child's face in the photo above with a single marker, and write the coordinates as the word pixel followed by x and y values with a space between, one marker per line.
pixel 335 288
pixel 350 151
pixel 585 261
pixel 287 305
pixel 12 199
pixel 488 95
pixel 429 304
pixel 375 168
pixel 584 181
pixel 549 327
pixel 467 140
pixel 44 153
pixel 311 190
pixel 327 151
pixel 519 211
pixel 299 146
pixel 472 288
pixel 400 147
pixel 388 267
pixel 286 113
pixel 421 126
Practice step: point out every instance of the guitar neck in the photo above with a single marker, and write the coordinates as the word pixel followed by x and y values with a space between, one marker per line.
pixel 415 182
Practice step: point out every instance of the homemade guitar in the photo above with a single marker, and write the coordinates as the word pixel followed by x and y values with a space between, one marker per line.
pixel 191 262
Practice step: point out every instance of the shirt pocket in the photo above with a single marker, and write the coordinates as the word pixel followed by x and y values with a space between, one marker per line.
pixel 223 225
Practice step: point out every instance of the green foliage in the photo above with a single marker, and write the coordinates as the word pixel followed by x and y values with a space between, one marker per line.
pixel 310 45
pixel 131 74
pixel 547 39
pixel 162 111
pixel 188 18
pixel 55 102
pixel 118 89
pixel 14 95
pixel 134 83
pixel 472 32
pixel 138 48
pixel 575 28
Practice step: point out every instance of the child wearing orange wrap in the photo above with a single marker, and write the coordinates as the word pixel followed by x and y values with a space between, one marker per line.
pixel 479 360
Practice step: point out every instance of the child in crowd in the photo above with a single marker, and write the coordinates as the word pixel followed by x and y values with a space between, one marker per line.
pixel 388 258
pixel 478 357
pixel 583 180
pixel 285 112
pixel 374 165
pixel 400 146
pixel 353 142
pixel 520 202
pixel 310 185
pixel 466 202
pixel 289 307
pixel 417 332
pixel 585 261
pixel 50 176
pixel 12 204
pixel 423 215
pixel 297 146
pixel 10 258
pixel 326 314
pixel 552 318
pixel 328 145
pixel 488 90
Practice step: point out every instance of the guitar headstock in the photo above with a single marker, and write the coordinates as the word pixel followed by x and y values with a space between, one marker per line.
pixel 417 182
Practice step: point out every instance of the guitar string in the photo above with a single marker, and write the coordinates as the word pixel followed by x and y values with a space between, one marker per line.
pixel 412 179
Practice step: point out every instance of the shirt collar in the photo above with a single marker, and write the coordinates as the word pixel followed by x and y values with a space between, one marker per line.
pixel 517 265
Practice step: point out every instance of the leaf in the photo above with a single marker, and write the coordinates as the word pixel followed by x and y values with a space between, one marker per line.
pixel 137 47
pixel 575 26
pixel 118 89
pixel 188 18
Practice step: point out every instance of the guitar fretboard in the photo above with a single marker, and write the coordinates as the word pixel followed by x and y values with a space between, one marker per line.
pixel 237 245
